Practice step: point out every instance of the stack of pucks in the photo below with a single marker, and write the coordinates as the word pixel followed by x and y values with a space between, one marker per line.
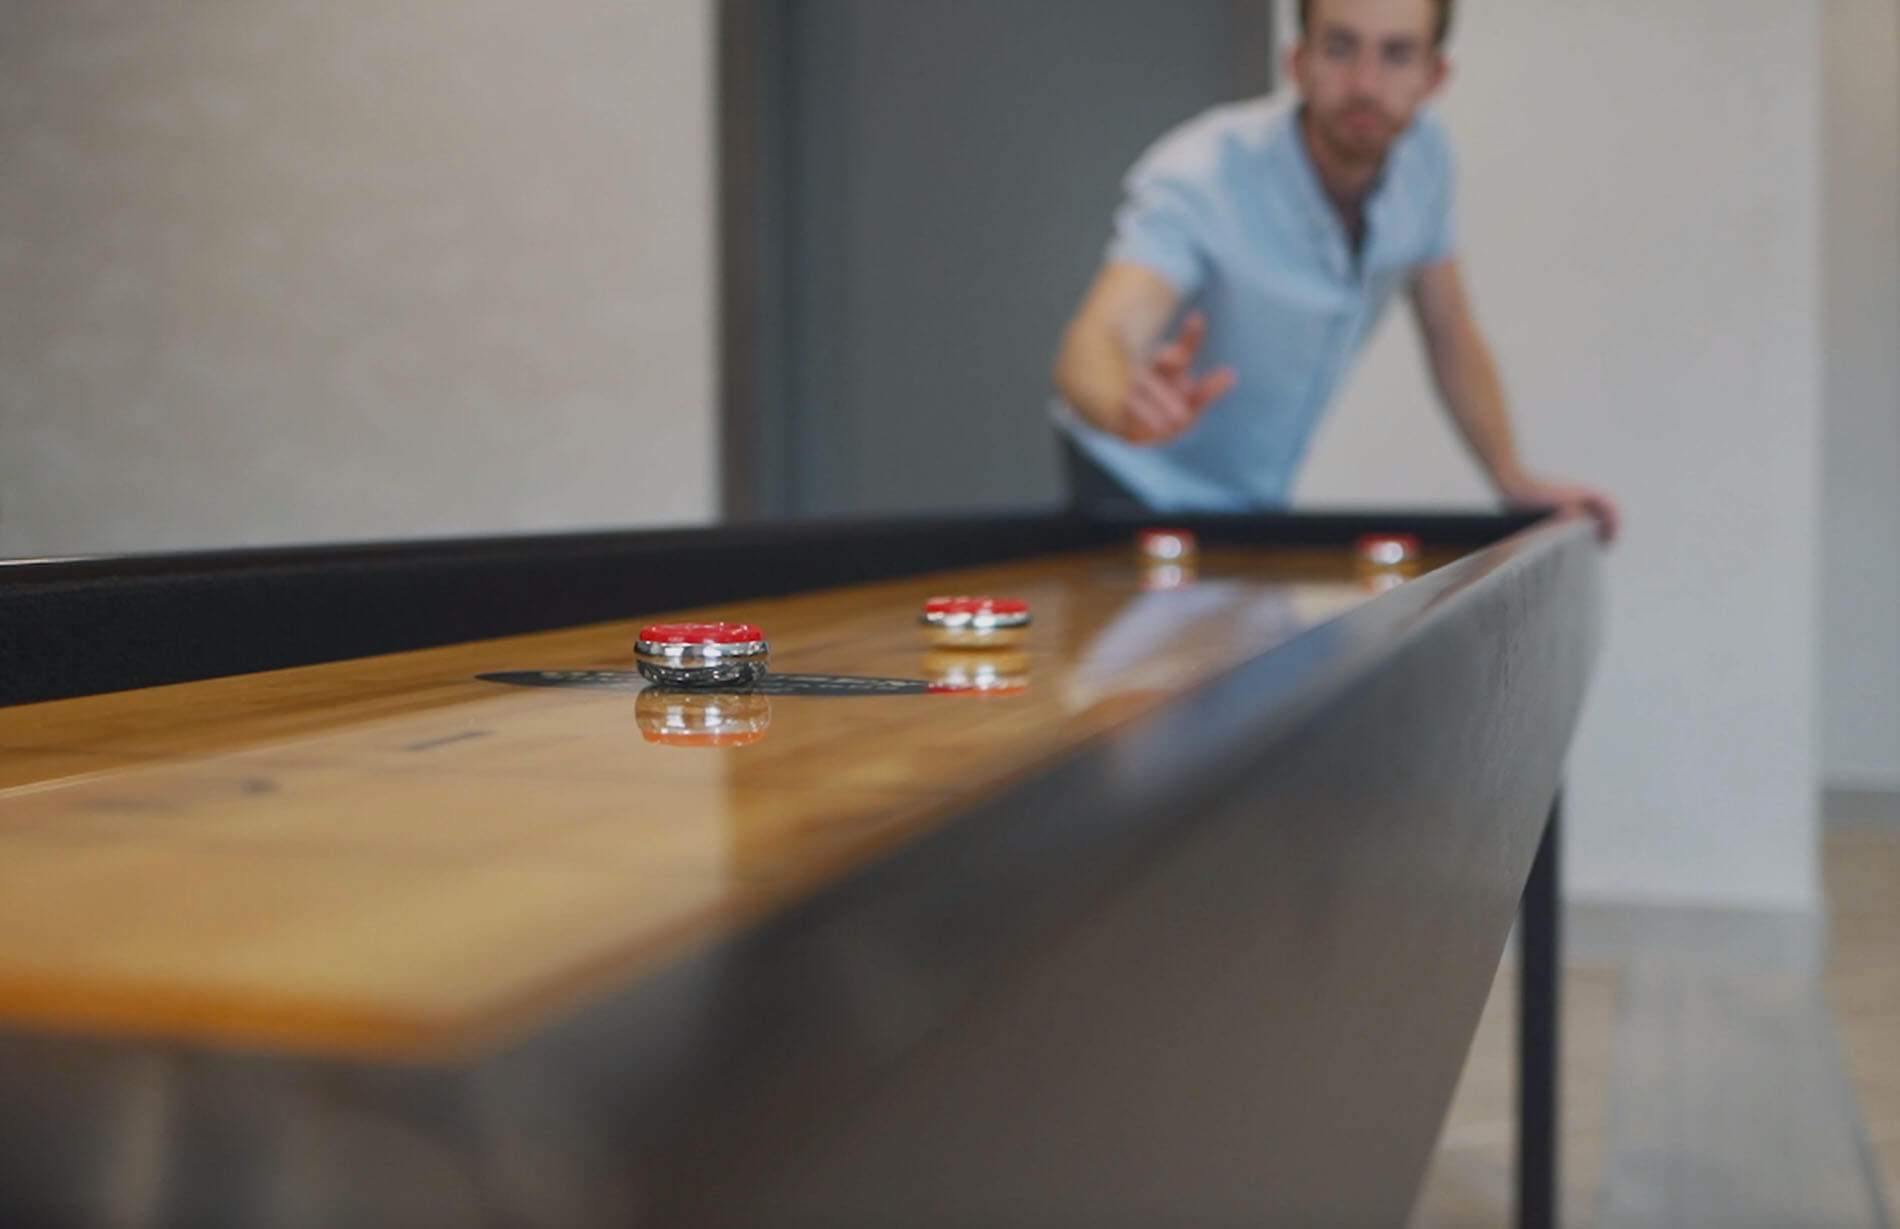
pixel 1178 547
pixel 966 622
pixel 1386 559
pixel 1388 550
pixel 1168 558
pixel 702 654
pixel 702 718
pixel 986 672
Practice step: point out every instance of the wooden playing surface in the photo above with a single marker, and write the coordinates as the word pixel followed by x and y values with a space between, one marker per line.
pixel 390 858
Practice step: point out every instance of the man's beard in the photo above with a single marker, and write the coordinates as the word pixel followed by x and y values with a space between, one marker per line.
pixel 1364 146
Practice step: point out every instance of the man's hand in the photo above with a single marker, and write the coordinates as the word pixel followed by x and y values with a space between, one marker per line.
pixel 1164 399
pixel 1567 498
pixel 1117 371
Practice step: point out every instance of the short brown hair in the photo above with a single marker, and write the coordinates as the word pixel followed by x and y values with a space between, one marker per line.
pixel 1442 32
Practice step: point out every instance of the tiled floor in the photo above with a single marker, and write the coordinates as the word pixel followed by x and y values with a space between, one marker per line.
pixel 1862 865
pixel 1471 1179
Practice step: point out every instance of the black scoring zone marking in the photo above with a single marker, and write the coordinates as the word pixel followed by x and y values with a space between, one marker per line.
pixel 592 680
pixel 431 744
pixel 766 685
pixel 838 685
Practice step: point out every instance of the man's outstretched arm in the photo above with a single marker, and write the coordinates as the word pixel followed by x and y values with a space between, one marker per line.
pixel 1473 395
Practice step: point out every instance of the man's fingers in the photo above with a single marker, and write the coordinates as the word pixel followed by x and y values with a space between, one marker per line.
pixel 1161 407
pixel 1571 499
pixel 1171 362
pixel 1212 387
pixel 1142 419
pixel 1155 410
pixel 1193 334
pixel 1607 516
pixel 1175 359
pixel 1164 399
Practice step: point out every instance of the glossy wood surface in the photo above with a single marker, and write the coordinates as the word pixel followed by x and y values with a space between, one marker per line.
pixel 390 857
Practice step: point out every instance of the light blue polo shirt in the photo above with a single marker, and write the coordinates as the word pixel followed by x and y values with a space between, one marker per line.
pixel 1229 209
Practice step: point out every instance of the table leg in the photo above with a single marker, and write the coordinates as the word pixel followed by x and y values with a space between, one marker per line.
pixel 1540 972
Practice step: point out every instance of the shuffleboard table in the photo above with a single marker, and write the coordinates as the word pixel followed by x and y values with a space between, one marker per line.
pixel 372 885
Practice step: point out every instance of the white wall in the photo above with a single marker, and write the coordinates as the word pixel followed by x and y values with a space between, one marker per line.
pixel 301 270
pixel 1860 509
pixel 1641 211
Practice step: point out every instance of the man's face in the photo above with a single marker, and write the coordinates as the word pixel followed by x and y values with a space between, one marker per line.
pixel 1364 68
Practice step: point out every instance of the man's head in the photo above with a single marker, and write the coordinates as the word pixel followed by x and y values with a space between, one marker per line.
pixel 1364 68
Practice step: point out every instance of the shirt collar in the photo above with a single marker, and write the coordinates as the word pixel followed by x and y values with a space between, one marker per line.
pixel 1297 160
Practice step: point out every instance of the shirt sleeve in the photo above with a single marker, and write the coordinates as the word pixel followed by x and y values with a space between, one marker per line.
pixel 1161 226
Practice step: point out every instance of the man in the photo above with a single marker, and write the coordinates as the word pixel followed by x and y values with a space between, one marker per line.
pixel 1285 231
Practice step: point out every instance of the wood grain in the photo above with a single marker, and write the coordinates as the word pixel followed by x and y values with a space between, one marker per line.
pixel 390 857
